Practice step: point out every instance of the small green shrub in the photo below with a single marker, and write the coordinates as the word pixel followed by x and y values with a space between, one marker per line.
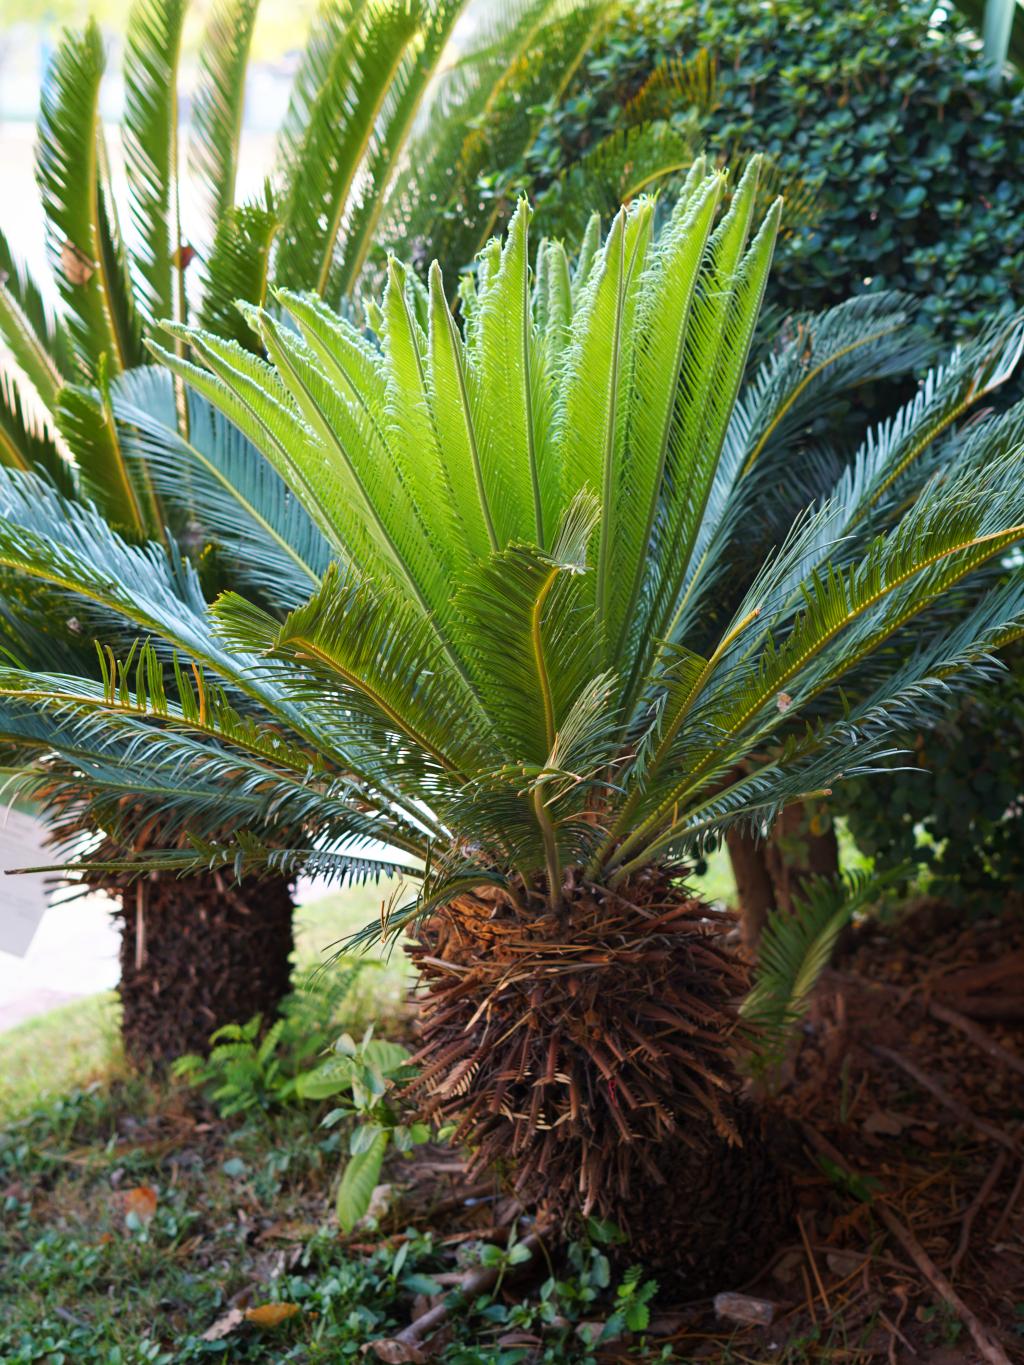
pixel 249 1068
pixel 957 807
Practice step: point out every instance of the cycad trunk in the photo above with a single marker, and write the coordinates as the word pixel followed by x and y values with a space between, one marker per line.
pixel 770 872
pixel 196 953
pixel 589 1058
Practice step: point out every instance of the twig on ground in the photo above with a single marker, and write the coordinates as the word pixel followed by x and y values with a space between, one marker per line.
pixel 977 1035
pixel 894 1329
pixel 1010 1205
pixel 474 1282
pixel 989 1349
pixel 814 1265
pixel 976 1205
pixel 965 1115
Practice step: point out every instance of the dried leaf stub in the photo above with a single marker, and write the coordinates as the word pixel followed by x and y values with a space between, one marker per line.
pixel 271 1314
pixel 141 1201
pixel 76 265
pixel 742 1308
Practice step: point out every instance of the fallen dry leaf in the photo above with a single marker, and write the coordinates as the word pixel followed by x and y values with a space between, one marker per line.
pixel 885 1123
pixel 227 1322
pixel 142 1201
pixel 271 1314
pixel 743 1308
pixel 395 1352
pixel 288 1230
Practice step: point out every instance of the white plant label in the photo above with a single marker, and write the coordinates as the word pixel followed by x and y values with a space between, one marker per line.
pixel 22 899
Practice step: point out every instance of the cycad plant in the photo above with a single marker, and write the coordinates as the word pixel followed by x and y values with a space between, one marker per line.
pixel 80 402
pixel 521 674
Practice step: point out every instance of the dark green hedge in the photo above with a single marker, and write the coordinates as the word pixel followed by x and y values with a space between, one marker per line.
pixel 966 800
pixel 918 161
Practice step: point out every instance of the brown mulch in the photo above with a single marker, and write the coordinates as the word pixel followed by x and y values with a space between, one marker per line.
pixel 908 1089
pixel 906 1096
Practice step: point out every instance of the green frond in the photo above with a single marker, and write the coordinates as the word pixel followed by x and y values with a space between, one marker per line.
pixel 238 268
pixel 598 376
pixel 89 261
pixel 26 441
pixel 507 385
pixel 525 622
pixel 351 76
pixel 215 129
pixel 795 949
pixel 218 480
pixel 384 660
pixel 35 337
pixel 151 59
pixel 86 421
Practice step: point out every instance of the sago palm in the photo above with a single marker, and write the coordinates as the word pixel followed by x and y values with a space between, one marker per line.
pixel 522 675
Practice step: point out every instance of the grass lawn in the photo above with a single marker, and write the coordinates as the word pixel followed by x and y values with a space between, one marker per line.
pixel 79 1043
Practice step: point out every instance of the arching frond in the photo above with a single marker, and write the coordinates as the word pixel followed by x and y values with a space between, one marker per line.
pixel 794 951
pixel 217 478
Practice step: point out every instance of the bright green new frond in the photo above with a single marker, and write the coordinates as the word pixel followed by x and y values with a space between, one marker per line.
pixel 85 247
pixel 152 53
pixel 218 105
pixel 525 622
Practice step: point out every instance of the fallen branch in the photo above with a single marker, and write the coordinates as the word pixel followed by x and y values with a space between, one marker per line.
pixel 977 1035
pixel 965 1115
pixel 405 1346
pixel 989 1349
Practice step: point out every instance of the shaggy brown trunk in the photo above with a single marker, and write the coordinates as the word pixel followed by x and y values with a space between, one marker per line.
pixel 802 844
pixel 588 1057
pixel 196 953
pixel 770 872
pixel 754 885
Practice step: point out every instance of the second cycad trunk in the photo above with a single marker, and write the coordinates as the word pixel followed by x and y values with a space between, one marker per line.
pixel 197 953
